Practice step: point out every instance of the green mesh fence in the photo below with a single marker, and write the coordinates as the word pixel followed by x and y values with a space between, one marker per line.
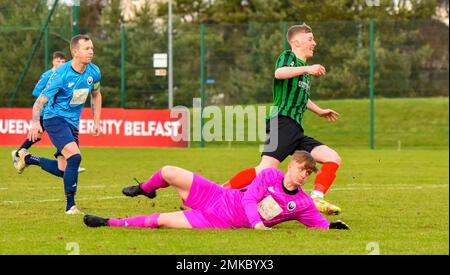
pixel 411 59
pixel 19 32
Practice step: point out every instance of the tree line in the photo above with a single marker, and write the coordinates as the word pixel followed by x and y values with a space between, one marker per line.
pixel 242 41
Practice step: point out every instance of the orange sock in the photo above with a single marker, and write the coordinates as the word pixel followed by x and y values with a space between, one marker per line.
pixel 325 176
pixel 241 179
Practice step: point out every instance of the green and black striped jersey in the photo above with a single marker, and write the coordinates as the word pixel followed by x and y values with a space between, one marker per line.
pixel 291 95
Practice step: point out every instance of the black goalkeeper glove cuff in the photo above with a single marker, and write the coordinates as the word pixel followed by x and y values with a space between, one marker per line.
pixel 339 225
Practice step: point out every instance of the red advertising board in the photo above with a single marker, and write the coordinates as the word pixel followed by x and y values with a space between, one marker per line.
pixel 120 128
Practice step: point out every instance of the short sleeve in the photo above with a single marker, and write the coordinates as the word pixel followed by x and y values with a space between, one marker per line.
pixel 97 79
pixel 287 58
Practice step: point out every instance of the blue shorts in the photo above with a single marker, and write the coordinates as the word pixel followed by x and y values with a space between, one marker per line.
pixel 61 133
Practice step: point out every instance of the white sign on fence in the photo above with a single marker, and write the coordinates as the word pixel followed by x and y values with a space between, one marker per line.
pixel 159 60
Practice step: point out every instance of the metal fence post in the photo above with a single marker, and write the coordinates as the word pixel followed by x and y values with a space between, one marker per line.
pixel 75 17
pixel 202 80
pixel 371 82
pixel 285 30
pixel 122 65
pixel 46 56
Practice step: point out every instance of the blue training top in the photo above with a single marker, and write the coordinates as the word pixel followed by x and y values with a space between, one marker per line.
pixel 40 86
pixel 67 91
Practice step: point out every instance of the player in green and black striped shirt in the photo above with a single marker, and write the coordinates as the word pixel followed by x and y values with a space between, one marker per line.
pixel 285 135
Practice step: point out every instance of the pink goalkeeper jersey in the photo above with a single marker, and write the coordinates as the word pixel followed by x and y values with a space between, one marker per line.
pixel 266 200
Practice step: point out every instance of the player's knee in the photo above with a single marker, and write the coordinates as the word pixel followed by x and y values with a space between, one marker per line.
pixel 165 220
pixel 62 167
pixel 267 162
pixel 162 221
pixel 70 149
pixel 336 158
pixel 168 173
pixel 330 156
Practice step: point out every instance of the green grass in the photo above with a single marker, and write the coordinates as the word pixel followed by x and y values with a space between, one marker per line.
pixel 397 199
pixel 415 123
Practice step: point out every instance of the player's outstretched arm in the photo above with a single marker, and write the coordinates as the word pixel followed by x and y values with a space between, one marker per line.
pixel 261 226
pixel 254 194
pixel 329 114
pixel 36 128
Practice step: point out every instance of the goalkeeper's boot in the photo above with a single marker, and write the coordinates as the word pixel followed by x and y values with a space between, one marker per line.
pixel 326 207
pixel 19 162
pixel 95 221
pixel 136 190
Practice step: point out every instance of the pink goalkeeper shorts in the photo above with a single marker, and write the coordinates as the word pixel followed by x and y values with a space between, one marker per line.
pixel 205 200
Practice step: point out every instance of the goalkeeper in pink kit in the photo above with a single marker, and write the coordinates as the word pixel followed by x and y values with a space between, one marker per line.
pixel 273 197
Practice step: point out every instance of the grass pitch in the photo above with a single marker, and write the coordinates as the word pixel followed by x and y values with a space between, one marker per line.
pixel 395 198
pixel 397 202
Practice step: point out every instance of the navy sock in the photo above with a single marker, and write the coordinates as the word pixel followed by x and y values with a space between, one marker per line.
pixel 51 166
pixel 32 160
pixel 70 200
pixel 71 179
pixel 26 144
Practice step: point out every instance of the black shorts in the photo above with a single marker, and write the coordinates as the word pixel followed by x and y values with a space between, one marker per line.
pixel 290 138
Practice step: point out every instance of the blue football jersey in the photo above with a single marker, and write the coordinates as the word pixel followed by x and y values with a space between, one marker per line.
pixel 42 83
pixel 67 91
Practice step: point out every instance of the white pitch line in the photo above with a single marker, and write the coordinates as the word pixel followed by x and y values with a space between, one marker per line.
pixel 49 200
pixel 402 187
pixel 86 199
pixel 361 187
pixel 80 199
pixel 59 187
pixel 11 202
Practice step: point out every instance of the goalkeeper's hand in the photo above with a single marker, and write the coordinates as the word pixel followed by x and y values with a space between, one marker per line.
pixel 261 226
pixel 339 225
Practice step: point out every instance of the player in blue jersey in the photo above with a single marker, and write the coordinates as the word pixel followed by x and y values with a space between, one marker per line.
pixel 65 95
pixel 59 58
